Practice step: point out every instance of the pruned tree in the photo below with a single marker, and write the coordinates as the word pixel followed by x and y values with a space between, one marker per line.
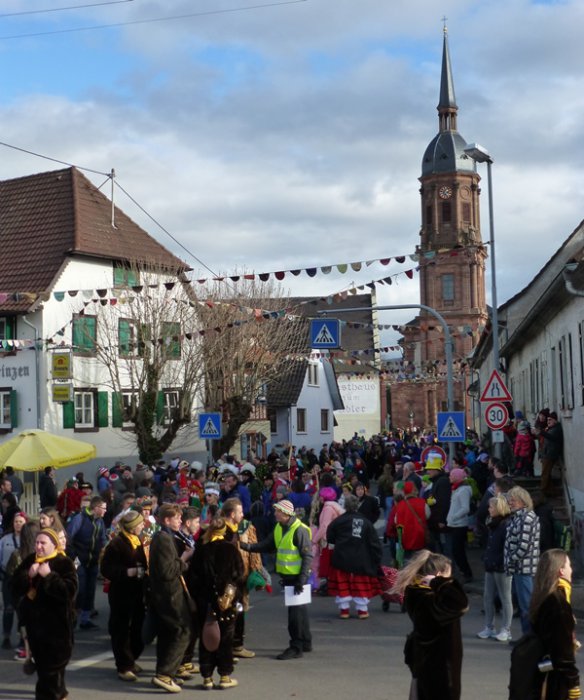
pixel 170 351
pixel 149 344
pixel 255 330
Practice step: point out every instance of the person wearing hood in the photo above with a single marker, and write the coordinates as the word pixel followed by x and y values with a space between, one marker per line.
pixel 329 510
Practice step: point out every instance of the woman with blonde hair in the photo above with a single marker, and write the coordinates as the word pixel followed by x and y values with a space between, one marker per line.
pixel 497 582
pixel 553 621
pixel 435 603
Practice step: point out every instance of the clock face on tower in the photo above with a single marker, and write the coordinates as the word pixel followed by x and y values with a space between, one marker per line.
pixel 445 192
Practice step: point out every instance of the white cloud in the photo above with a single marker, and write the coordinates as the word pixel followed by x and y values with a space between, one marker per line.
pixel 293 136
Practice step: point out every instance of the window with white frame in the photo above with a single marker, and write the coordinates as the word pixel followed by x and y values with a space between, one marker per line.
pixel 300 420
pixel 5 412
pixel 129 406
pixel 325 420
pixel 313 374
pixel 84 409
pixel 171 405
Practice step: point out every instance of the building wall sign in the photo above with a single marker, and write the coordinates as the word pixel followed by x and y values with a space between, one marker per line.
pixel 360 397
pixel 61 365
pixel 14 373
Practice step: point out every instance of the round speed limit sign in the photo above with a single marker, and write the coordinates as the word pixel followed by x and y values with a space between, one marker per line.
pixel 496 415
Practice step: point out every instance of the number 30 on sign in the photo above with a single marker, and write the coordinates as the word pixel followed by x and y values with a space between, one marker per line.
pixel 496 415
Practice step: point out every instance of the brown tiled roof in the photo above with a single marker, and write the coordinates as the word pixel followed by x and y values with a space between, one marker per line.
pixel 48 217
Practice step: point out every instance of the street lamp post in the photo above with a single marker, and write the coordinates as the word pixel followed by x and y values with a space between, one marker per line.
pixel 480 155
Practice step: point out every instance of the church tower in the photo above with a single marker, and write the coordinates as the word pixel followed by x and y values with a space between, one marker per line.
pixel 452 270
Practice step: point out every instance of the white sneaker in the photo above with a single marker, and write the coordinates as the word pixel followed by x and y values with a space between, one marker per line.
pixel 487 633
pixel 503 636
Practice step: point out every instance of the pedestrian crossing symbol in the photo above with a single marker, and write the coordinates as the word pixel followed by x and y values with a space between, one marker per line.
pixel 210 426
pixel 325 333
pixel 451 427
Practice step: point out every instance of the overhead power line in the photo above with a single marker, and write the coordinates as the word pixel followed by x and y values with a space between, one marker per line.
pixel 152 20
pixel 60 9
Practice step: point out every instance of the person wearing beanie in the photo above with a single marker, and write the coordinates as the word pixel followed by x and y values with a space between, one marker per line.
pixel 291 542
pixel 124 565
pixel 457 520
pixel 45 583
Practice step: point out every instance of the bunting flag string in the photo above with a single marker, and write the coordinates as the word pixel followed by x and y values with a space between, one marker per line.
pixel 421 258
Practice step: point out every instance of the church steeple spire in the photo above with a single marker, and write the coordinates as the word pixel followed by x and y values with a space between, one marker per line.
pixel 447 108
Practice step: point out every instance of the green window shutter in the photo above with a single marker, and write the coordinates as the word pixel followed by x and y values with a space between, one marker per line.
pixel 102 409
pixel 117 413
pixel 13 409
pixel 171 330
pixel 10 328
pixel 159 407
pixel 124 337
pixel 68 414
pixel 84 333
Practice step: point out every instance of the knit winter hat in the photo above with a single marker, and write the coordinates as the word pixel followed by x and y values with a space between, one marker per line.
pixel 458 475
pixel 131 520
pixel 285 506
pixel 51 534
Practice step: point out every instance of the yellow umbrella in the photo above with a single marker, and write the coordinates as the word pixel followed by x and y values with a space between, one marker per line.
pixel 32 450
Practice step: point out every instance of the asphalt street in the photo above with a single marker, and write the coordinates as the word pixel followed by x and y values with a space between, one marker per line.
pixel 351 658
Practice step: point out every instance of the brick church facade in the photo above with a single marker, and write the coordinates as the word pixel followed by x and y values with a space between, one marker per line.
pixel 452 273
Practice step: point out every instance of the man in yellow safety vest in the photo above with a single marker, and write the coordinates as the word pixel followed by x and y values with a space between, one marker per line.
pixel 291 540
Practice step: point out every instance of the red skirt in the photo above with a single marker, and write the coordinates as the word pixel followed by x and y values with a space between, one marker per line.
pixel 344 584
pixel 325 562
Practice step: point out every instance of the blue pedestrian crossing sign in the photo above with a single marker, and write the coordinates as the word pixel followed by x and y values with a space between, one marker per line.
pixel 451 426
pixel 210 426
pixel 325 333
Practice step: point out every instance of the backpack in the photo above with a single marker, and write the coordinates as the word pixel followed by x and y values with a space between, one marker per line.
pixel 525 677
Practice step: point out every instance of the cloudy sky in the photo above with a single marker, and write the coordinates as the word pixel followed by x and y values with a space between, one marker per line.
pixel 273 136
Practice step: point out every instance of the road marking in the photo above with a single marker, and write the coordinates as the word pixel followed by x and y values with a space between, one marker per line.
pixel 90 661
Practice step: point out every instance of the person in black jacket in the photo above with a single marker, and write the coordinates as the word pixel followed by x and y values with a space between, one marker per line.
pixel 497 583
pixel 554 622
pixel 124 565
pixel 435 603
pixel 368 505
pixel 553 445
pixel 45 583
pixel 438 498
pixel 216 565
pixel 355 560
pixel 48 493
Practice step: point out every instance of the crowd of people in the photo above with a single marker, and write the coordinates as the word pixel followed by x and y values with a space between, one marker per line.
pixel 180 547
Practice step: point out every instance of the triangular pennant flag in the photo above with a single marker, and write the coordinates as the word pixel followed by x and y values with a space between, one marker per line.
pixel 342 268
pixel 356 266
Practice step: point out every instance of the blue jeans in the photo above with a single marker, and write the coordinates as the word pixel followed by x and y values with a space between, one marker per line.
pixel 87 576
pixel 523 585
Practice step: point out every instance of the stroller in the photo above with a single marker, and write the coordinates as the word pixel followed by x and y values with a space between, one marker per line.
pixel 387 580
